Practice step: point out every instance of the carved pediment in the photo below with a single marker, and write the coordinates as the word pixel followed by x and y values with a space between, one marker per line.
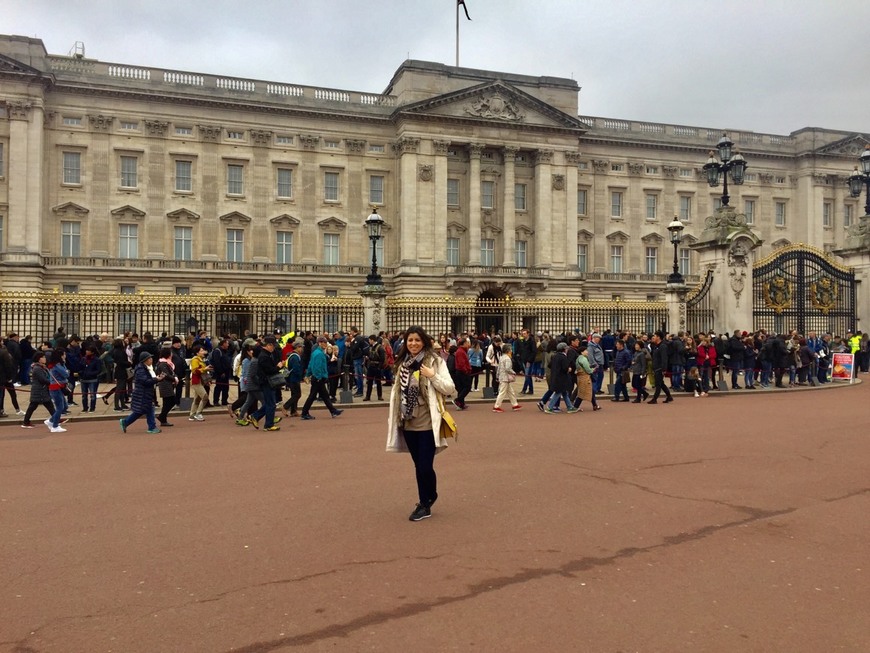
pixel 782 242
pixel 128 212
pixel 652 239
pixel 851 146
pixel 585 236
pixel 492 102
pixel 332 224
pixel 10 65
pixel 235 218
pixel 70 209
pixel 182 215
pixel 688 239
pixel 524 231
pixel 617 237
pixel 455 229
pixel 285 220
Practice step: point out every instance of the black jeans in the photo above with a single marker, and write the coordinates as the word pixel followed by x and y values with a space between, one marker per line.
pixel 168 403
pixel 421 444
pixel 318 387
pixel 49 406
pixel 295 395
pixel 660 385
pixel 463 387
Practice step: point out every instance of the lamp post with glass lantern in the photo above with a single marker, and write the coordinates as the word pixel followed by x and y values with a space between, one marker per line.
pixel 676 230
pixel 730 161
pixel 861 178
pixel 374 224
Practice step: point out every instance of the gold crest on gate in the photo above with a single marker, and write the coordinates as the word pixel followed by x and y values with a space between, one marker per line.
pixel 823 294
pixel 777 294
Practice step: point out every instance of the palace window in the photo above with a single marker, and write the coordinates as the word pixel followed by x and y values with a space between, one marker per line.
pixel 284 251
pixel 453 192
pixel 183 243
pixel 717 203
pixel 235 245
pixel 749 211
pixel 616 259
pixel 487 194
pixel 652 260
pixel 128 241
pixel 235 135
pixel 377 149
pixel 581 201
pixel 376 189
pixel 70 289
pixel 184 131
pixel 847 215
pixel 235 179
pixel 1 160
pixel 828 214
pixel 285 183
pixel 331 249
pixel 652 170
pixel 521 247
pixel 2 248
pixel 70 238
pixel 685 208
pixel 129 126
pixel 182 290
pixel 128 290
pixel 487 252
pixel 616 204
pixel 520 197
pixel 685 262
pixel 652 201
pixel 72 121
pixel 284 140
pixel 331 187
pixel 582 257
pixel 72 167
pixel 330 145
pixel 129 172
pixel 452 251
pixel 685 172
pixel 617 167
pixel 779 180
pixel 779 219
pixel 183 176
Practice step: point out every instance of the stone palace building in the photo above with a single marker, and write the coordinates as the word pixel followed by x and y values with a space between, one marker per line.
pixel 118 178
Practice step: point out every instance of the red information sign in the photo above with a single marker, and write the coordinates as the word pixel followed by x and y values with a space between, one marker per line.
pixel 841 367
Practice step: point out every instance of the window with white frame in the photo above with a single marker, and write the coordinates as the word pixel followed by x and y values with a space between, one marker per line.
pixel 617 167
pixel 685 262
pixel 284 183
pixel 2 241
pixel 749 211
pixel 234 135
pixel 452 251
pixel 652 202
pixel 183 176
pixel 2 168
pixel 652 260
pixel 235 245
pixel 284 140
pixel 72 121
pixel 331 249
pixel 184 131
pixel 70 238
pixel 128 125
pixel 685 172
pixel 376 189
pixel 182 290
pixel 72 167
pixel 487 194
pixel 581 201
pixel 377 149
pixel 379 251
pixel 128 290
pixel 520 197
pixel 331 187
pixel 521 247
pixel 616 204
pixel 487 252
pixel 284 248
pixel 183 243
pixel 616 259
pixel 847 215
pixel 330 144
pixel 70 289
pixel 128 241
pixel 717 203
pixel 828 214
pixel 453 192
pixel 129 172
pixel 779 214
pixel 582 257
pixel 235 179
pixel 685 208
pixel 652 170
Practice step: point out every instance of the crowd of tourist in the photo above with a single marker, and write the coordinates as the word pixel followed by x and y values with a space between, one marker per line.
pixel 265 375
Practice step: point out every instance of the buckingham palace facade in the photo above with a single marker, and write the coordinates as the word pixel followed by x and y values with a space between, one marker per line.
pixel 116 178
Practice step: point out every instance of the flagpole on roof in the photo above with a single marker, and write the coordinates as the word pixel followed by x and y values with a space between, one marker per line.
pixel 465 7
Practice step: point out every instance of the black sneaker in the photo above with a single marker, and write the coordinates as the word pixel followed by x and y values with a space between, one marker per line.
pixel 337 412
pixel 306 416
pixel 420 512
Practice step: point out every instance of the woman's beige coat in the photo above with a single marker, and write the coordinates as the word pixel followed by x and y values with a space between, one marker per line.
pixel 440 383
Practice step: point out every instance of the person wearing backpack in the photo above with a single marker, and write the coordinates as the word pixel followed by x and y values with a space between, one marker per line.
pixel 374 365
pixel 677 358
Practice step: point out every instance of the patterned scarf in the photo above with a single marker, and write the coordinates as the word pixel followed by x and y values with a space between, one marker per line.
pixel 410 384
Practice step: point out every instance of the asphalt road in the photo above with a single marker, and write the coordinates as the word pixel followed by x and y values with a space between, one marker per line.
pixel 734 523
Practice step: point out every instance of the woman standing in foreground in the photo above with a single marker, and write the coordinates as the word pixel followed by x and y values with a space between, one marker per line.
pixel 415 419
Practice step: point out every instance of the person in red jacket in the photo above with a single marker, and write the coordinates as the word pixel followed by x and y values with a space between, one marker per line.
pixel 463 373
pixel 706 360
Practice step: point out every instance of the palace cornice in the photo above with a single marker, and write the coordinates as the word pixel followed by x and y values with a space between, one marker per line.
pixel 224 103
pixel 679 147
pixel 477 122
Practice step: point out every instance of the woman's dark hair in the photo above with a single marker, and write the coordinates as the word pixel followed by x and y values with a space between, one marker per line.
pixel 57 356
pixel 117 342
pixel 428 343
pixel 165 352
pixel 37 355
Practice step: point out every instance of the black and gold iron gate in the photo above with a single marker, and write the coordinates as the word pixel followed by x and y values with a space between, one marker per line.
pixel 800 287
pixel 699 308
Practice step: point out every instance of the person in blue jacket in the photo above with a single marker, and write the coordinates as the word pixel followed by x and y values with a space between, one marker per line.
pixel 91 369
pixel 319 375
pixel 144 382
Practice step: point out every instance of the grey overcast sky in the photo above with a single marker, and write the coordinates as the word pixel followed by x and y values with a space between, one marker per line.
pixel 763 65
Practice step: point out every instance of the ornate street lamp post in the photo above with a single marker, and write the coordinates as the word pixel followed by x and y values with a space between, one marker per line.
pixel 676 230
pixel 728 163
pixel 375 224
pixel 862 178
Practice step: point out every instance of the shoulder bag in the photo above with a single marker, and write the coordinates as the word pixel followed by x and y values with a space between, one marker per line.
pixel 448 424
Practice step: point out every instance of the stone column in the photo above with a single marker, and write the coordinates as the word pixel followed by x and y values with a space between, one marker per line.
pixel 25 174
pixel 543 208
pixel 727 247
pixel 374 309
pixel 439 216
pixel 675 298
pixel 572 159
pixel 475 150
pixel 856 254
pixel 510 209
pixel 406 148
